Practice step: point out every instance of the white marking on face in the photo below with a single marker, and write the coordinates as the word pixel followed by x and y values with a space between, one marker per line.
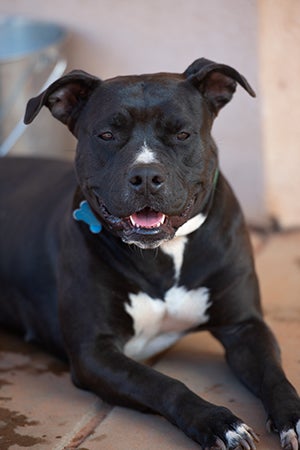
pixel 158 324
pixel 175 248
pixel 146 155
pixel 191 225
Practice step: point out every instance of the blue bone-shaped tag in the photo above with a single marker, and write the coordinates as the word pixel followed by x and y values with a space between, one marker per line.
pixel 85 214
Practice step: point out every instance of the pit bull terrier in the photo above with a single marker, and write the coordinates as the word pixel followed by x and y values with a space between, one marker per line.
pixel 144 242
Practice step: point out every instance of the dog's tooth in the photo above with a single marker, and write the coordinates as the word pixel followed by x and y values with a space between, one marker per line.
pixel 132 221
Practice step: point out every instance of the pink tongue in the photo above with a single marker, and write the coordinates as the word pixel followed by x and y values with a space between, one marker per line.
pixel 147 218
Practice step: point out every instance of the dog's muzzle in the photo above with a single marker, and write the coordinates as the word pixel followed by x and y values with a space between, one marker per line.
pixel 146 227
pixel 152 219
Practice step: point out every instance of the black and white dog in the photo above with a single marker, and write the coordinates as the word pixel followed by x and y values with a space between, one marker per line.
pixel 72 277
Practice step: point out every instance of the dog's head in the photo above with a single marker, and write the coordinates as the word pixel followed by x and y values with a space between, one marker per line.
pixel 145 161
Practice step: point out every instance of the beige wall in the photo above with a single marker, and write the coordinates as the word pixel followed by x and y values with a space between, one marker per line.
pixel 280 81
pixel 111 37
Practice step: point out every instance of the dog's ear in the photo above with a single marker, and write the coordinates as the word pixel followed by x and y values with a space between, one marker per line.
pixel 65 97
pixel 216 82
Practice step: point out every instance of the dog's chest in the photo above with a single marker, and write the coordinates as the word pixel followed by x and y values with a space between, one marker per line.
pixel 159 323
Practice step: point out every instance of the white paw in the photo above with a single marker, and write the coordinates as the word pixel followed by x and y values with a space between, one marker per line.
pixel 290 439
pixel 242 437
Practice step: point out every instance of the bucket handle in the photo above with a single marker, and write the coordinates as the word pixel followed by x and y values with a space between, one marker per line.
pixel 19 129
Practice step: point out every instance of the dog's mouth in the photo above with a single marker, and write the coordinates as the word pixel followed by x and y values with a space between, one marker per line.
pixel 146 228
pixel 147 218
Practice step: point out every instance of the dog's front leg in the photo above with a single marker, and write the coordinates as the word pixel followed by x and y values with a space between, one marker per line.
pixel 105 370
pixel 253 354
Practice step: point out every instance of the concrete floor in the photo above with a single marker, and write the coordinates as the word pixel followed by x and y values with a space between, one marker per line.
pixel 41 409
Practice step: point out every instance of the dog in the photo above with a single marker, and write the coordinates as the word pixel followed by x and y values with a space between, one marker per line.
pixel 143 242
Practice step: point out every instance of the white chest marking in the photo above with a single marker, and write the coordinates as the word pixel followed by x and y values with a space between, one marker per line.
pixel 175 248
pixel 158 324
pixel 145 156
pixel 191 225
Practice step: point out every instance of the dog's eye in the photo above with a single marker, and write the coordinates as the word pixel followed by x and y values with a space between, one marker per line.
pixel 182 136
pixel 106 136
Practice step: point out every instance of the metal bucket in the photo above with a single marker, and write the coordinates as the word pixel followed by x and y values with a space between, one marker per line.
pixel 31 57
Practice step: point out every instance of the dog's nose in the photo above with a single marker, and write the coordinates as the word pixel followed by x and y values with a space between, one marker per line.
pixel 147 178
